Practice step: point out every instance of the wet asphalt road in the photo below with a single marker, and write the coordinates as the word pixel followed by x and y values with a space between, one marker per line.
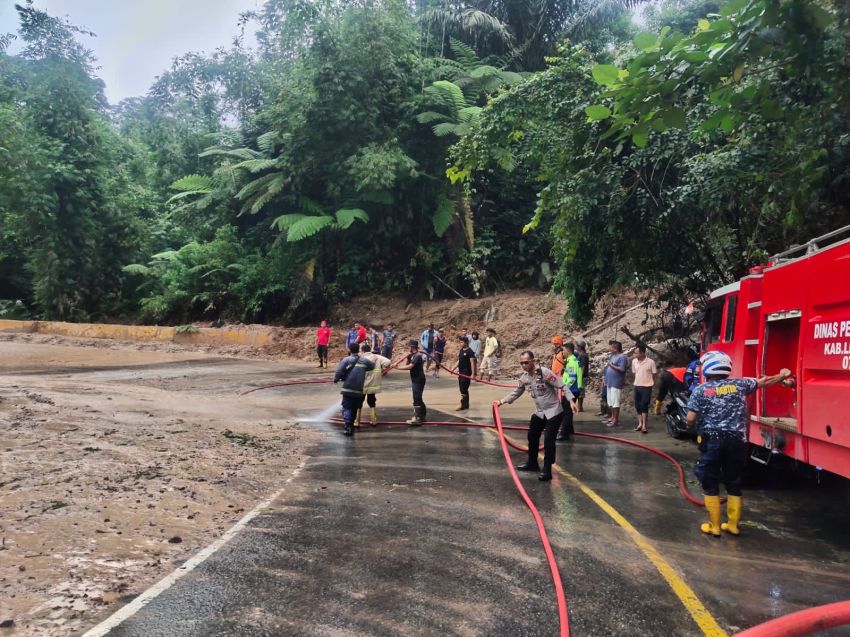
pixel 421 532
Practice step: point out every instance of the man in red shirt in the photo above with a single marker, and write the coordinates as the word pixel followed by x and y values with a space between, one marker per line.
pixel 323 338
pixel 361 333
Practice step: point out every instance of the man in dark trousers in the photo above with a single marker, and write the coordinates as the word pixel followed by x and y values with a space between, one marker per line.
pixel 719 409
pixel 352 371
pixel 542 385
pixel 388 341
pixel 416 364
pixel 466 363
pixel 323 339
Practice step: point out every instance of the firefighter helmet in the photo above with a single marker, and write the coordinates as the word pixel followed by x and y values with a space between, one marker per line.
pixel 716 364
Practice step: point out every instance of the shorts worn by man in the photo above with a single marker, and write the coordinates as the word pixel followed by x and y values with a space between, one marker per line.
pixel 615 377
pixel 719 409
pixel 352 371
pixel 542 385
pixel 645 371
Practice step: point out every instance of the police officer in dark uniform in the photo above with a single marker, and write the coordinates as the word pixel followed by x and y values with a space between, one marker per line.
pixel 719 409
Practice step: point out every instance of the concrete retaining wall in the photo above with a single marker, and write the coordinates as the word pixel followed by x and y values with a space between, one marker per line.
pixel 242 335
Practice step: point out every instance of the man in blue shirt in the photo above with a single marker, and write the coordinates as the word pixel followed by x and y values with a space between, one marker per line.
pixel 615 376
pixel 426 341
pixel 388 341
pixel 719 409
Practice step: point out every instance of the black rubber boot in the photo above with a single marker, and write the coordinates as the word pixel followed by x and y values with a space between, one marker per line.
pixel 528 466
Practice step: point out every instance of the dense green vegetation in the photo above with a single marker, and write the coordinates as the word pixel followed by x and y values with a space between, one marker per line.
pixel 427 147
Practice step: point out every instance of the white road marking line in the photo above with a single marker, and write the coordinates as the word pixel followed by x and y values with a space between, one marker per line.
pixel 169 580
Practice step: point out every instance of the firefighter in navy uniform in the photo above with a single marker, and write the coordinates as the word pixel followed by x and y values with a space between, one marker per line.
pixel 719 408
pixel 542 385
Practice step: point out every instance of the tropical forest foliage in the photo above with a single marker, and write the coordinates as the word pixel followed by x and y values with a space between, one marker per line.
pixel 425 148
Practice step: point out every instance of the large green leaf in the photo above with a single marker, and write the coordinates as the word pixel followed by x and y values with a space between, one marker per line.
pixel 347 216
pixel 196 183
pixel 256 165
pixel 136 268
pixel 443 215
pixel 283 222
pixel 448 93
pixel 605 74
pixel 430 116
pixel 310 205
pixel 646 41
pixel 238 153
pixel 307 227
pixel 597 112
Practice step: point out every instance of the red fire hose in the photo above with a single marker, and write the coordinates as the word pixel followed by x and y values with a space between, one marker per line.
pixel 803 622
pixel 317 381
pixel 563 617
pixel 793 625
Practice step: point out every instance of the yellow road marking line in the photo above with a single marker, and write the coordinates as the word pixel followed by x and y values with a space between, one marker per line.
pixel 686 595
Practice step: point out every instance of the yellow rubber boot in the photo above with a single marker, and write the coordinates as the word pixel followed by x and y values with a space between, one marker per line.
pixel 733 513
pixel 357 420
pixel 657 410
pixel 374 417
pixel 712 507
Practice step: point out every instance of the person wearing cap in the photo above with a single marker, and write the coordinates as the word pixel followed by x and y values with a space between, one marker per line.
pixel 323 339
pixel 466 363
pixel 542 385
pixel 558 355
pixel 352 372
pixel 718 408
pixel 490 360
pixel 415 362
pixel 372 383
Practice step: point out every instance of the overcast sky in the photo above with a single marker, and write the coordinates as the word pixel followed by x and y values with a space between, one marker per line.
pixel 136 41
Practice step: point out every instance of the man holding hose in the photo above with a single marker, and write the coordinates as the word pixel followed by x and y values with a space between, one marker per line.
pixel 542 385
pixel 466 363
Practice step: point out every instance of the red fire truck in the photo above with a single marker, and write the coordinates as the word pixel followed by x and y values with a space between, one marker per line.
pixel 793 312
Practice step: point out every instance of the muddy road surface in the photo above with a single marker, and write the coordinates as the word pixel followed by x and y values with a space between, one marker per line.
pixel 119 466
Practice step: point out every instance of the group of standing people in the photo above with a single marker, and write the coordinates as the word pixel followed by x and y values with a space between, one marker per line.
pixel 376 342
pixel 718 406
pixel 645 372
pixel 370 354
